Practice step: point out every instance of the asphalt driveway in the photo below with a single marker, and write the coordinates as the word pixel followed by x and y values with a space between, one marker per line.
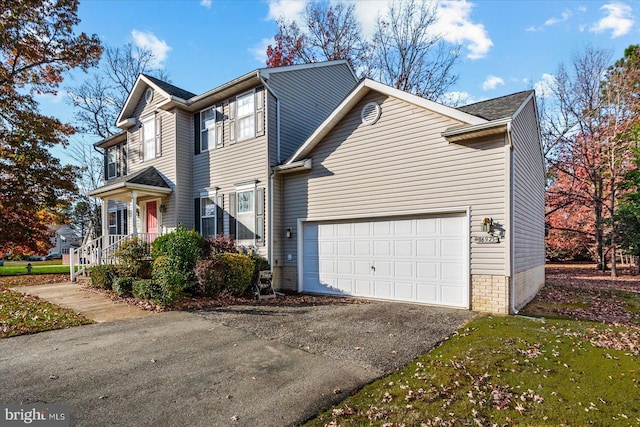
pixel 270 366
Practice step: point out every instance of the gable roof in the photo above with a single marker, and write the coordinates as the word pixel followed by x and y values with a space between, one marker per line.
pixel 364 87
pixel 177 97
pixel 171 89
pixel 148 179
pixel 498 108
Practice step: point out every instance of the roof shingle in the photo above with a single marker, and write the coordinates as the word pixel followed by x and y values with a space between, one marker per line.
pixel 171 89
pixel 497 108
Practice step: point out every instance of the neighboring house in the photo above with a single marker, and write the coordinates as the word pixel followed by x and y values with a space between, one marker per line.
pixel 64 238
pixel 347 188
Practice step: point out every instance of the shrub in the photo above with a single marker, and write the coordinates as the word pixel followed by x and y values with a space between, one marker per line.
pixel 260 263
pixel 123 285
pixel 210 277
pixel 237 271
pixel 146 289
pixel 130 256
pixel 102 276
pixel 219 244
pixel 173 280
pixel 182 244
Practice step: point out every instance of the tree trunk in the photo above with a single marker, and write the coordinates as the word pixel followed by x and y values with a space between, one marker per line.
pixel 612 205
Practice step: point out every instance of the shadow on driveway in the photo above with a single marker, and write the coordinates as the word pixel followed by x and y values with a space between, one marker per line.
pixel 381 336
pixel 277 367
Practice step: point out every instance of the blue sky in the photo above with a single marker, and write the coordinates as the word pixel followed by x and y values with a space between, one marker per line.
pixel 507 46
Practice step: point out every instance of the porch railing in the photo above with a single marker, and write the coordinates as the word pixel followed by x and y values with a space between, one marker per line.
pixel 103 251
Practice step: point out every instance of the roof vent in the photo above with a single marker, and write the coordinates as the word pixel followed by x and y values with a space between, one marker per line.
pixel 370 113
pixel 148 94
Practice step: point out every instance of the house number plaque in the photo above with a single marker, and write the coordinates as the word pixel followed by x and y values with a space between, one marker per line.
pixel 487 239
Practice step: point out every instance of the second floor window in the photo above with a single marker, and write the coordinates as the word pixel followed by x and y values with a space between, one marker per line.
pixel 149 138
pixel 207 129
pixel 116 161
pixel 245 105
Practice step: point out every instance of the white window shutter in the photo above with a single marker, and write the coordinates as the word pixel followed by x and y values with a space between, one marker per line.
pixel 232 120
pixel 141 142
pixel 158 136
pixel 259 103
pixel 219 125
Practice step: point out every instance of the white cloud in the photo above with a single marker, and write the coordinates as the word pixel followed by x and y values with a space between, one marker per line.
pixel 619 20
pixel 492 82
pixel 553 20
pixel 290 9
pixel 532 29
pixel 544 86
pixel 455 25
pixel 206 3
pixel 59 96
pixel 457 98
pixel 149 41
pixel 259 50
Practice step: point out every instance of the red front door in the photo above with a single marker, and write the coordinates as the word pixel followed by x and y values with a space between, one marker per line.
pixel 152 217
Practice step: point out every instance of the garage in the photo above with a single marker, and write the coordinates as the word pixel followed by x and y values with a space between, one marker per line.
pixel 415 259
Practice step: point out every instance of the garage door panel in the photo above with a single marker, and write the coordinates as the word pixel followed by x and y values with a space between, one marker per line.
pixel 403 268
pixel 427 292
pixel 344 248
pixel 362 248
pixel 427 270
pixel 383 289
pixel 426 248
pixel 407 259
pixel 404 291
pixel 381 248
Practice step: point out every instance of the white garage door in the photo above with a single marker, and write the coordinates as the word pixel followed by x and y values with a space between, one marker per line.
pixel 414 259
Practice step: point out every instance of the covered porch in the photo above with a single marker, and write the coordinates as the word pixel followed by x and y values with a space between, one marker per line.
pixel 132 206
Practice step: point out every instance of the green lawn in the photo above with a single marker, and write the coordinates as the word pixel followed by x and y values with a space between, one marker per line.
pixel 38 267
pixel 23 314
pixel 509 371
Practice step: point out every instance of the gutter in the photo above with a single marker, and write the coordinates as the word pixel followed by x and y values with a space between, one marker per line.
pixel 465 132
pixel 300 165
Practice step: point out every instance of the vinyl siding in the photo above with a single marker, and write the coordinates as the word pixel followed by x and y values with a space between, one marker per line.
pixel 307 97
pixel 528 205
pixel 233 163
pixel 166 162
pixel 184 178
pixel 401 163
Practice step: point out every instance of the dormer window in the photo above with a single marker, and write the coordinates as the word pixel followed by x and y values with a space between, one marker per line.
pixel 245 105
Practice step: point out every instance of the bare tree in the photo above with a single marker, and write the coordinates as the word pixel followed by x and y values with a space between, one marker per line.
pixel 98 102
pixel 408 55
pixel 100 98
pixel 328 32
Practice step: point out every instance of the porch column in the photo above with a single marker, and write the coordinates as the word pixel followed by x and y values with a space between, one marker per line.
pixel 134 216
pixel 105 222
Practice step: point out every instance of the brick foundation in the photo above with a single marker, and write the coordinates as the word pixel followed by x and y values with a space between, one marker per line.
pixel 490 293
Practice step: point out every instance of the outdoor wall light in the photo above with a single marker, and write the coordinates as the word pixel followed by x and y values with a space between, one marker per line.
pixel 288 233
pixel 486 224
pixel 163 208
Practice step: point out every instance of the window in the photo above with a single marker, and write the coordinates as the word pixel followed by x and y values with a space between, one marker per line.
pixel 245 106
pixel 113 222
pixel 112 162
pixel 116 161
pixel 245 216
pixel 149 138
pixel 207 129
pixel 208 216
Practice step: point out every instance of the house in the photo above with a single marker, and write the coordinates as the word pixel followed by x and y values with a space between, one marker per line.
pixel 347 187
pixel 64 238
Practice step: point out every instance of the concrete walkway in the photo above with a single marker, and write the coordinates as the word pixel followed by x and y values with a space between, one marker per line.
pixel 91 305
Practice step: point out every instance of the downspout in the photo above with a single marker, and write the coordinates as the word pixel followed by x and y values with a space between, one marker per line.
pixel 512 285
pixel 272 172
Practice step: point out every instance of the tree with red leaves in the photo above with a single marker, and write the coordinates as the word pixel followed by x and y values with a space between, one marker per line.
pixel 37 45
